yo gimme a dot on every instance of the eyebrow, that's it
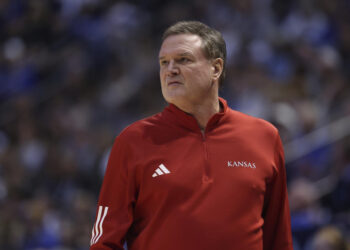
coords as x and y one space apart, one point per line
186 54
181 54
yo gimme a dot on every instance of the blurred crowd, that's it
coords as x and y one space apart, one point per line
73 73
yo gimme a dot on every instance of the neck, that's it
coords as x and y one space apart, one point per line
203 112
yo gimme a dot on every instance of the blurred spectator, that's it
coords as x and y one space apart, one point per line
329 238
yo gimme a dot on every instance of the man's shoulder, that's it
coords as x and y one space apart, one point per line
148 125
253 123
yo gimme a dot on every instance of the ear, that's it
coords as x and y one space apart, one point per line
217 68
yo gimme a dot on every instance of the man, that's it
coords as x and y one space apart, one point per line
197 176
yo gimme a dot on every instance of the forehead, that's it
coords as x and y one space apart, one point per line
182 43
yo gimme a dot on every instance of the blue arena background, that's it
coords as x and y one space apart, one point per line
74 73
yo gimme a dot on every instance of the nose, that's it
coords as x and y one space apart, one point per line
172 68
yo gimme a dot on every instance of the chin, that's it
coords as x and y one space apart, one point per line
172 99
173 96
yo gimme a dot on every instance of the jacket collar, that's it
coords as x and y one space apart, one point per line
187 121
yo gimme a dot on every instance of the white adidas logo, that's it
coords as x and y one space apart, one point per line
161 170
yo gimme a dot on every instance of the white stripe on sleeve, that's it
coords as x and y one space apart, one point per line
101 228
95 229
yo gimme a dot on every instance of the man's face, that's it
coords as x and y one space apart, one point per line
186 75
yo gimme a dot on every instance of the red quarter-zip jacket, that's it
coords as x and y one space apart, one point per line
168 186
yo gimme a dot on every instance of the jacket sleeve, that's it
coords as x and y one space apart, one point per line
114 213
277 228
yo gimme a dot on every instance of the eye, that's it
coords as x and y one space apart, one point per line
163 62
184 60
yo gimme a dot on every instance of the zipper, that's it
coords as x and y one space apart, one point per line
206 174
